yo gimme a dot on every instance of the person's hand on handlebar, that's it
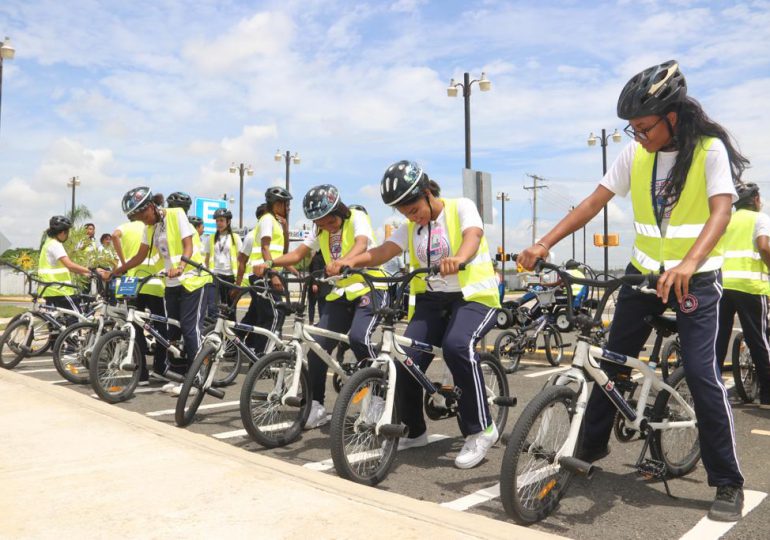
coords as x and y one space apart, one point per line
334 268
260 269
529 256
117 272
174 272
103 274
450 265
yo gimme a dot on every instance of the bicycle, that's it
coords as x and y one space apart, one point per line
540 456
744 370
365 427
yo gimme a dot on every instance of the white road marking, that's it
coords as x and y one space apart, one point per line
706 529
547 372
44 361
760 432
327 464
46 370
61 381
201 408
137 391
477 497
230 434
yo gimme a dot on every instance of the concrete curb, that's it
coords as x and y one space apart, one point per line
408 514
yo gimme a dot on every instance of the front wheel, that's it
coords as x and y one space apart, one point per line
72 351
509 348
744 371
678 448
266 418
109 381
358 452
14 343
532 482
229 363
496 385
192 392
553 345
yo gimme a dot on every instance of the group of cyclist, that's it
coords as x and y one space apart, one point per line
681 170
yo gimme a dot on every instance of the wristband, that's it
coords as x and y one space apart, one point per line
269 263
543 246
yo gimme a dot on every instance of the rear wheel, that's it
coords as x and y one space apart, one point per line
192 392
509 348
744 371
109 381
496 384
72 351
16 337
553 345
44 334
670 358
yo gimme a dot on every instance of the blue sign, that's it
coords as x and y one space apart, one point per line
205 208
128 286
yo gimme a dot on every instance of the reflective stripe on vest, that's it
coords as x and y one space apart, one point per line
743 270
191 279
233 253
48 273
130 240
478 281
688 217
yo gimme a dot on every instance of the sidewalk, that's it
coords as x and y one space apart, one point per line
75 467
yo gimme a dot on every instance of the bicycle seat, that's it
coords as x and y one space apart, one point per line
662 324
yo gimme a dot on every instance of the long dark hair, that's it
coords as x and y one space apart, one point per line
228 231
692 124
341 211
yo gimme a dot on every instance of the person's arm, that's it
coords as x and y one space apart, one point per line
134 261
468 248
72 266
763 246
117 245
373 257
679 276
187 250
290 258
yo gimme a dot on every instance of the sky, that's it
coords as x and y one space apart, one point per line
168 94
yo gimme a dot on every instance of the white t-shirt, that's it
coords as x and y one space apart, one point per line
718 176
221 255
762 226
54 252
361 227
264 228
160 242
440 247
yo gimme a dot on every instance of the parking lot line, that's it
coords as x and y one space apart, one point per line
28 371
547 372
165 412
230 434
760 432
477 497
706 529
43 361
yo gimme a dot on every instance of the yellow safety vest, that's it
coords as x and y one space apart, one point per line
130 240
651 251
744 270
478 281
233 252
191 279
276 242
353 286
576 288
56 272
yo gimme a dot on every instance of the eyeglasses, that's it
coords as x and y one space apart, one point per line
641 135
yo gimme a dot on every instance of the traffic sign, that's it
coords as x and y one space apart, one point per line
205 208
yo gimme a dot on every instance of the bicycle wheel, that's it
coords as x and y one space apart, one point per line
744 371
111 383
229 365
17 335
72 351
496 384
670 358
531 480
267 420
44 335
358 453
508 348
678 448
553 345
191 395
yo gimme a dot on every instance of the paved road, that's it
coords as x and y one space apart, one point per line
615 502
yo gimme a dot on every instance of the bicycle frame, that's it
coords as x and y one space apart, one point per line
143 319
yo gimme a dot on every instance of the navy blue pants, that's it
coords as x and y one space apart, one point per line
189 308
354 317
448 321
752 312
262 313
697 322
156 306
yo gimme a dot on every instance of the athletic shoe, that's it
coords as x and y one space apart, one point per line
178 390
476 447
404 443
318 416
728 504
169 387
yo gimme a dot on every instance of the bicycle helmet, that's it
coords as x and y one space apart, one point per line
179 199
320 201
277 193
571 264
136 200
195 221
59 224
652 91
224 213
359 207
402 183
746 192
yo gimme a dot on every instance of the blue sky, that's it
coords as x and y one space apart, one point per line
168 94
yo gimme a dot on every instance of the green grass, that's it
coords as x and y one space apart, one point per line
10 311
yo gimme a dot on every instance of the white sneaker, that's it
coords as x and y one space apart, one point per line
317 417
476 447
178 390
169 387
374 411
405 443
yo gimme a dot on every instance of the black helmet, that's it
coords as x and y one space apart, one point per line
402 183
59 223
277 193
571 264
223 212
320 201
358 207
136 200
179 199
652 91
195 221
746 192
261 210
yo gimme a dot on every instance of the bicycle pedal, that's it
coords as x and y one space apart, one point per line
652 469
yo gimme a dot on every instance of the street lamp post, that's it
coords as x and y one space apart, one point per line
451 91
604 140
7 52
241 169
288 158
502 196
73 183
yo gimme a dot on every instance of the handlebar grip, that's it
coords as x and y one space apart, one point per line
192 263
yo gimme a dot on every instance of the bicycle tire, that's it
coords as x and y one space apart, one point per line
260 402
229 364
672 349
496 384
15 336
523 453
679 449
110 383
551 332
744 371
187 405
507 346
370 461
44 336
69 356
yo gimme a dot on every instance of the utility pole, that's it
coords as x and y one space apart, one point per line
573 236
534 187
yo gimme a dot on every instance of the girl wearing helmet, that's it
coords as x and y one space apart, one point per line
222 253
169 231
455 314
680 171
339 234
